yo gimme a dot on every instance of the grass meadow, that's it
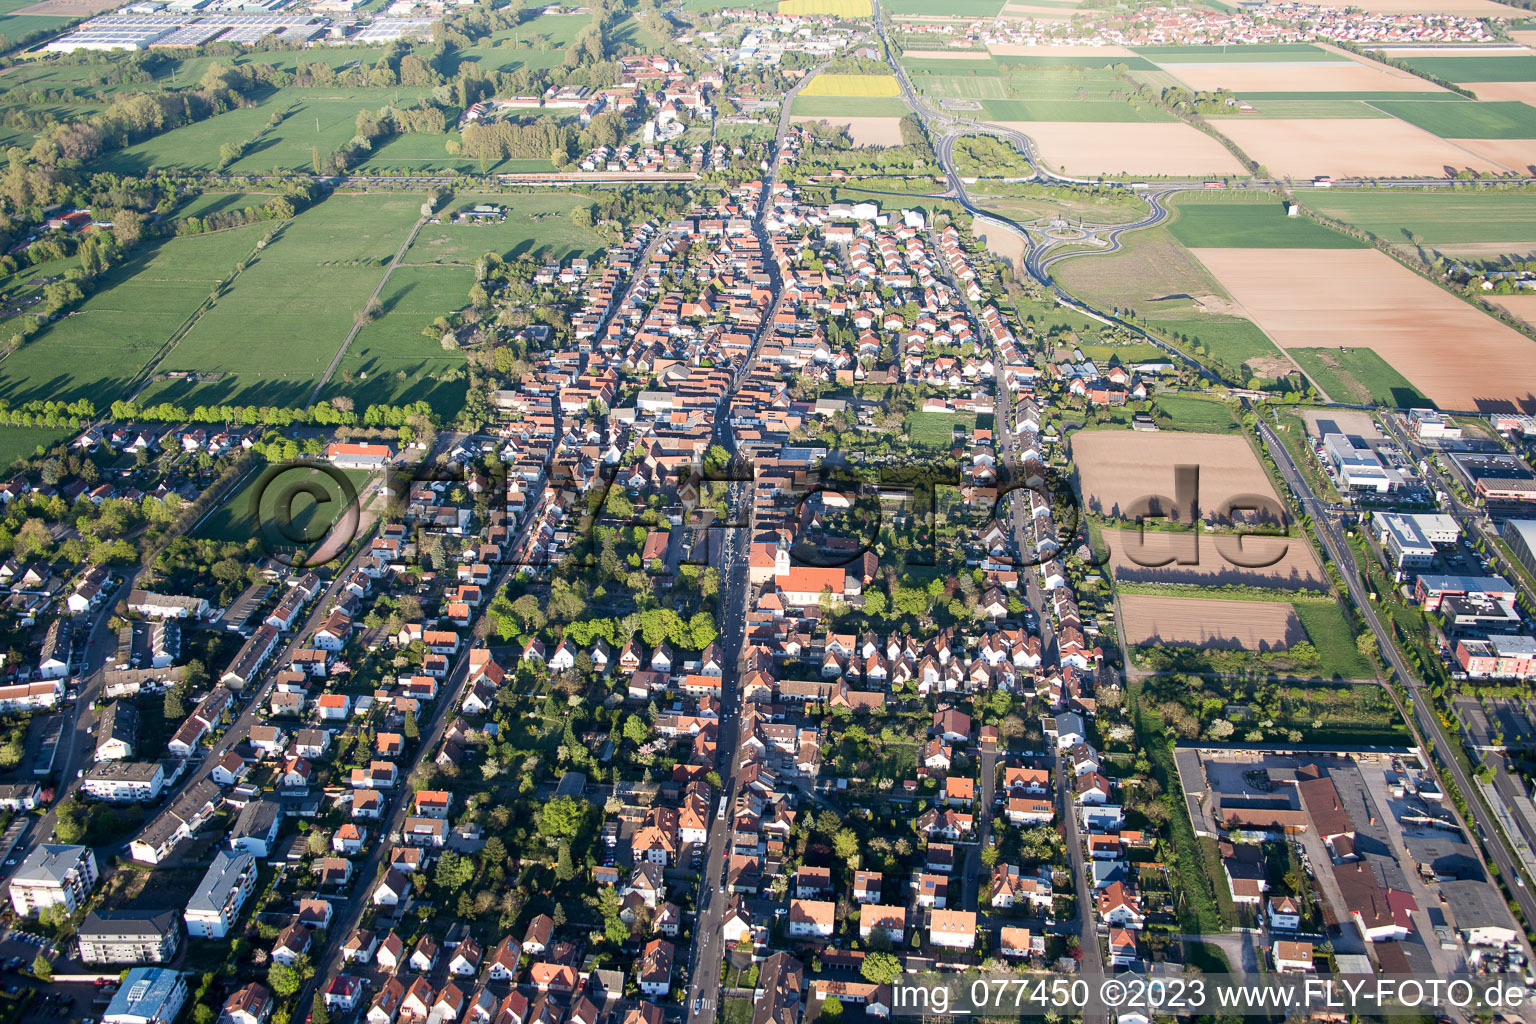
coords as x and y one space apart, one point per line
1197 415
1359 375
1260 224
24 442
537 225
1441 218
1231 340
97 350
1491 120
277 327
1463 70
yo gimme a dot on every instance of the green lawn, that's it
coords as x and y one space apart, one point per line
19 442
1197 415
1358 375
850 106
936 429
1440 218
95 351
238 519
1335 641
276 329
1251 225
538 225
1231 340
1477 69
1501 120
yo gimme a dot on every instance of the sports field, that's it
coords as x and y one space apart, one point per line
279 325
537 225
97 350
1438 218
238 521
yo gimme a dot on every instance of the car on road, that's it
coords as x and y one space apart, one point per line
697 1003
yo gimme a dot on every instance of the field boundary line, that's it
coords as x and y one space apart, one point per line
357 324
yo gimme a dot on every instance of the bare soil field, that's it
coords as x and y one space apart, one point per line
864 131
1309 76
1519 92
946 54
1000 242
1516 154
1354 422
1317 298
1163 147
1350 147
67 8
1522 306
1023 50
1213 623
1134 557
1118 467
1524 35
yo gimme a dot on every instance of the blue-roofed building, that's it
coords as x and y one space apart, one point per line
149 995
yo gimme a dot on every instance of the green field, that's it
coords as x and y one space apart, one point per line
1359 375
1125 354
1362 97
96 351
1232 341
983 66
1467 120
1307 109
936 429
278 326
1076 61
1335 642
1251 225
1197 415
537 225
390 361
850 106
314 119
1070 110
1254 53
1477 69
1441 218
237 521
23 442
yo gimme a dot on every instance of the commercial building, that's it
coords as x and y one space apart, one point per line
129 937
51 876
1501 480
216 903
1520 535
1402 540
149 995
1430 591
1359 468
1498 657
